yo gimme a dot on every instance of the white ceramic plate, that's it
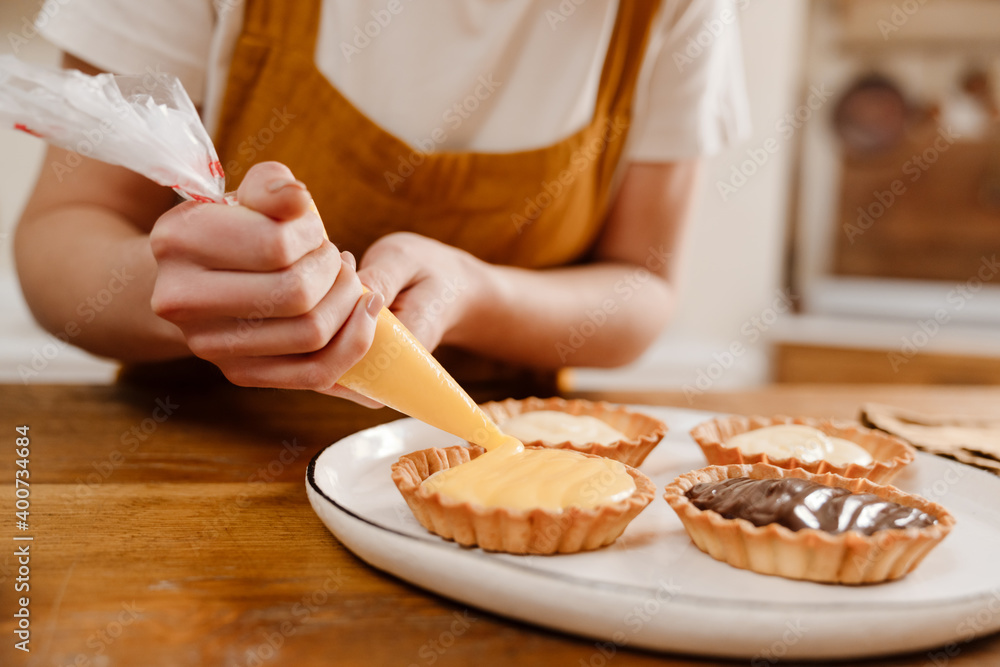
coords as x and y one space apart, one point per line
653 588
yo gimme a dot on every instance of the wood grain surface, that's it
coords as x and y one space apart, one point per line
187 539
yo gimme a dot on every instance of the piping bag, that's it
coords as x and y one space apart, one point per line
148 124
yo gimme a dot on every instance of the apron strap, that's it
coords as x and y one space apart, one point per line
292 23
626 51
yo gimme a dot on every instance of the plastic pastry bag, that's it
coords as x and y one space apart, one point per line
146 123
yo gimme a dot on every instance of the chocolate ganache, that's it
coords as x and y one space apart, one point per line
798 503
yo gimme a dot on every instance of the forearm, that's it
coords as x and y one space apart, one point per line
603 314
88 275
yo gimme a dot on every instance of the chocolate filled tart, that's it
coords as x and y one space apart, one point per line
815 555
798 503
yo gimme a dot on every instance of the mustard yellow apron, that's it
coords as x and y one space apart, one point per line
533 208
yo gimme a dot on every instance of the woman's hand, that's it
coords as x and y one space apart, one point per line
259 291
604 312
434 289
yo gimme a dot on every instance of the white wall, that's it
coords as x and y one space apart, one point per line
19 153
734 255
737 242
27 353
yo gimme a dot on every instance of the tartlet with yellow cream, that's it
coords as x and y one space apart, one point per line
600 428
816 445
521 500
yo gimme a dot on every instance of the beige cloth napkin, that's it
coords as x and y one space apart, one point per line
972 441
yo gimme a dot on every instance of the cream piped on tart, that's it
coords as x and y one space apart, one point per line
514 477
808 444
552 427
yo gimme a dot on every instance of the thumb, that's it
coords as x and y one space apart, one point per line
415 309
271 189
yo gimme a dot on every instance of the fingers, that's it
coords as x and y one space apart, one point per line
246 237
388 266
318 371
271 189
233 238
421 279
258 290
258 335
421 310
184 292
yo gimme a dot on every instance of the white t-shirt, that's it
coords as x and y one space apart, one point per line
406 65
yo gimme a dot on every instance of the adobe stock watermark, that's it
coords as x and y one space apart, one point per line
549 534
290 452
914 167
955 300
937 490
273 641
432 650
899 16
624 289
778 649
711 29
148 81
968 629
291 282
101 640
384 352
785 127
29 29
750 332
579 161
89 309
364 34
431 312
632 623
130 440
451 119
884 541
254 145
562 12
223 7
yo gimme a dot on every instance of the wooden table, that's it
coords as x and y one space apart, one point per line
171 527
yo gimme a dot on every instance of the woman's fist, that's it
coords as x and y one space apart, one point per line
259 291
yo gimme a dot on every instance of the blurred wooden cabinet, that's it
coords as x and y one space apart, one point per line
920 211
896 214
803 364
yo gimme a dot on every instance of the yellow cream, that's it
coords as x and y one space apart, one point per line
552 426
399 372
802 442
522 479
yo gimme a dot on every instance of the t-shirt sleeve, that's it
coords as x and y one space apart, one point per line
135 36
692 100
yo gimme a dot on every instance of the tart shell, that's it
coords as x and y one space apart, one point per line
813 555
642 432
889 453
537 531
